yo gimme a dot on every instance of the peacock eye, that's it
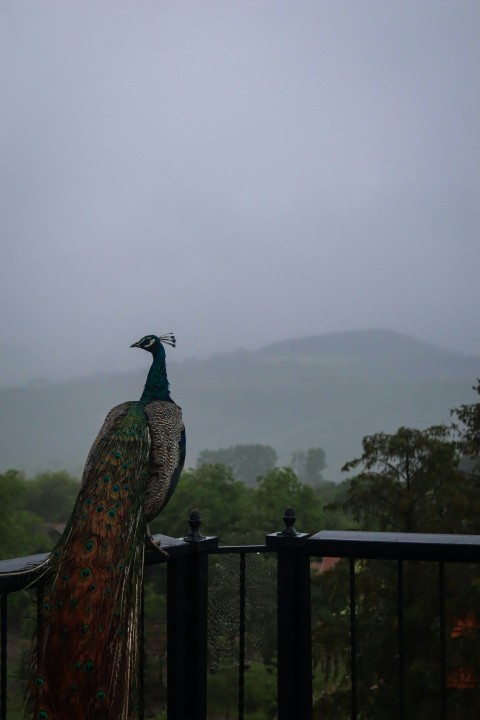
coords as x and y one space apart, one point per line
150 343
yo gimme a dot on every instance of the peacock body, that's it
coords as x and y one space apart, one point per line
85 656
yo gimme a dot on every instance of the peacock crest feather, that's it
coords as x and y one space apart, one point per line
84 662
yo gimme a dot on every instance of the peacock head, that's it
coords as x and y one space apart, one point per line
154 344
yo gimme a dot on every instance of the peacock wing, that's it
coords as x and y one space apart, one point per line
167 455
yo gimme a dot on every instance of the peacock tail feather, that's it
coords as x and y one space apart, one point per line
84 663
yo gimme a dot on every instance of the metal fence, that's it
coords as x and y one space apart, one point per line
188 597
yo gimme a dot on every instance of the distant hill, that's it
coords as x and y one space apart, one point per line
392 352
327 390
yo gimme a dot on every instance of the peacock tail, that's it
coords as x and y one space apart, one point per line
86 652
85 656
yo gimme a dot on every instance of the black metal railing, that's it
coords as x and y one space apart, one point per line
187 609
400 548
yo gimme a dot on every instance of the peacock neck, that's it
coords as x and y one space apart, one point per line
156 387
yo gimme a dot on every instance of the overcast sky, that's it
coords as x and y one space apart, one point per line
235 172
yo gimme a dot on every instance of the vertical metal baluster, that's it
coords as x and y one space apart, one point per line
443 641
241 659
3 657
401 644
353 640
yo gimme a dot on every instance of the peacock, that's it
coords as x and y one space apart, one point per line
84 660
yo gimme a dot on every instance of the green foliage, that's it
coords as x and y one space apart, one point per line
237 513
279 489
469 431
222 500
247 462
410 482
20 534
333 495
52 495
260 692
20 531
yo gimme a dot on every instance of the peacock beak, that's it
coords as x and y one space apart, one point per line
137 344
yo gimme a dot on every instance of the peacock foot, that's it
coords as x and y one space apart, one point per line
156 545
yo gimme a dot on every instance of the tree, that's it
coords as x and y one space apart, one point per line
278 489
469 433
308 465
247 462
410 482
332 496
224 504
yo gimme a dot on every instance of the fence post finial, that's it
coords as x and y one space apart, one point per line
289 518
194 521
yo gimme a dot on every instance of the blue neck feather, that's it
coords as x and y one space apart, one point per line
156 387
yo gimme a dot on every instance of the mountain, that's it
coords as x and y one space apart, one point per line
327 390
385 350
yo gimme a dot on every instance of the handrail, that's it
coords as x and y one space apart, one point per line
23 572
20 572
394 546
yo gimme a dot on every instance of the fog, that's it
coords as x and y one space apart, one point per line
234 172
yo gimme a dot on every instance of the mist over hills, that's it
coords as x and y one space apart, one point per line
327 390
379 349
